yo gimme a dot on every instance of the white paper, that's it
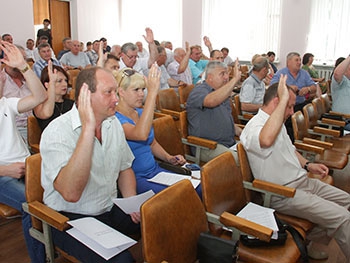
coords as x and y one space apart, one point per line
104 240
171 178
133 203
260 215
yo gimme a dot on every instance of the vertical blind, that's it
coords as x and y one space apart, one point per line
245 27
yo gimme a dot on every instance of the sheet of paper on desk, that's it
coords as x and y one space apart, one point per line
260 215
104 240
133 203
171 178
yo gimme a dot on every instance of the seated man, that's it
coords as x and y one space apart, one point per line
209 112
42 39
197 65
341 88
273 158
13 149
45 56
91 166
179 69
253 88
75 59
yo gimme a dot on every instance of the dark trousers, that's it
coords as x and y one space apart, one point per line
116 219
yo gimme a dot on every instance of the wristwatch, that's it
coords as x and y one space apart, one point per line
26 68
306 166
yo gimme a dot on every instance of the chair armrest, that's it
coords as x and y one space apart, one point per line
174 114
202 142
274 188
247 116
246 226
48 215
325 131
332 122
308 147
347 116
322 144
35 148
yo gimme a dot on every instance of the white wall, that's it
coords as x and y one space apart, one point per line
17 19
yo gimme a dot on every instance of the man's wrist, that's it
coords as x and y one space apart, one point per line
306 166
24 69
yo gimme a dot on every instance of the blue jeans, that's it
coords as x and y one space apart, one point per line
12 193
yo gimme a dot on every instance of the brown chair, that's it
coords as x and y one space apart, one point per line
184 92
43 217
196 142
8 212
315 150
72 73
340 144
223 190
244 72
167 99
34 134
172 220
243 118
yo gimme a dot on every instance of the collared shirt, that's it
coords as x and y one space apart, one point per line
140 66
341 95
11 90
13 148
164 76
185 76
58 142
93 56
197 69
279 163
210 123
303 79
41 64
253 90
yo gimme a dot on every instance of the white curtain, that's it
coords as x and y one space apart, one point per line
329 35
245 27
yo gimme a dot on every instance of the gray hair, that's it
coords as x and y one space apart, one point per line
292 54
212 65
129 46
260 63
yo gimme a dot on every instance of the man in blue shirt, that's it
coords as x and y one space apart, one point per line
197 65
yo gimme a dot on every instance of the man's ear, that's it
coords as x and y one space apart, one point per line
46 84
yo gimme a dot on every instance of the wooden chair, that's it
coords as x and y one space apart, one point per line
72 73
242 117
34 134
244 72
8 212
315 150
172 220
43 217
223 190
184 92
194 141
167 99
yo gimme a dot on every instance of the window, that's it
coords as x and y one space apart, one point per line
329 35
245 27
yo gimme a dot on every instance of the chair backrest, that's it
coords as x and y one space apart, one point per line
317 103
299 126
222 187
34 133
72 73
168 99
310 115
167 135
244 72
184 92
237 104
34 191
326 102
184 130
171 222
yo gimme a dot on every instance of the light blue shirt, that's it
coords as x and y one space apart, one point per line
197 69
341 95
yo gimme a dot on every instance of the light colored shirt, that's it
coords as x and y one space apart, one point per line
140 66
13 148
197 69
279 163
341 95
39 65
58 142
252 90
75 61
185 76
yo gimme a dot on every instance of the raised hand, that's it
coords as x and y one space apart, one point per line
149 35
14 57
153 79
236 71
283 93
86 112
2 82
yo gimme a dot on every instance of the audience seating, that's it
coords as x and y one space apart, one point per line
243 118
315 150
223 190
168 101
34 134
43 217
244 72
184 92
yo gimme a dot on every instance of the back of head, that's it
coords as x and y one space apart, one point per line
272 92
259 63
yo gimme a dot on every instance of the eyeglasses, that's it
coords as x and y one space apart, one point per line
126 73
131 57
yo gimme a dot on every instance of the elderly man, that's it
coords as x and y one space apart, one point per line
209 112
341 88
91 166
273 158
129 57
45 56
67 44
179 68
75 59
197 65
300 81
253 88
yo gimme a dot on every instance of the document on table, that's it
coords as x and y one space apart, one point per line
104 240
260 215
133 203
171 178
